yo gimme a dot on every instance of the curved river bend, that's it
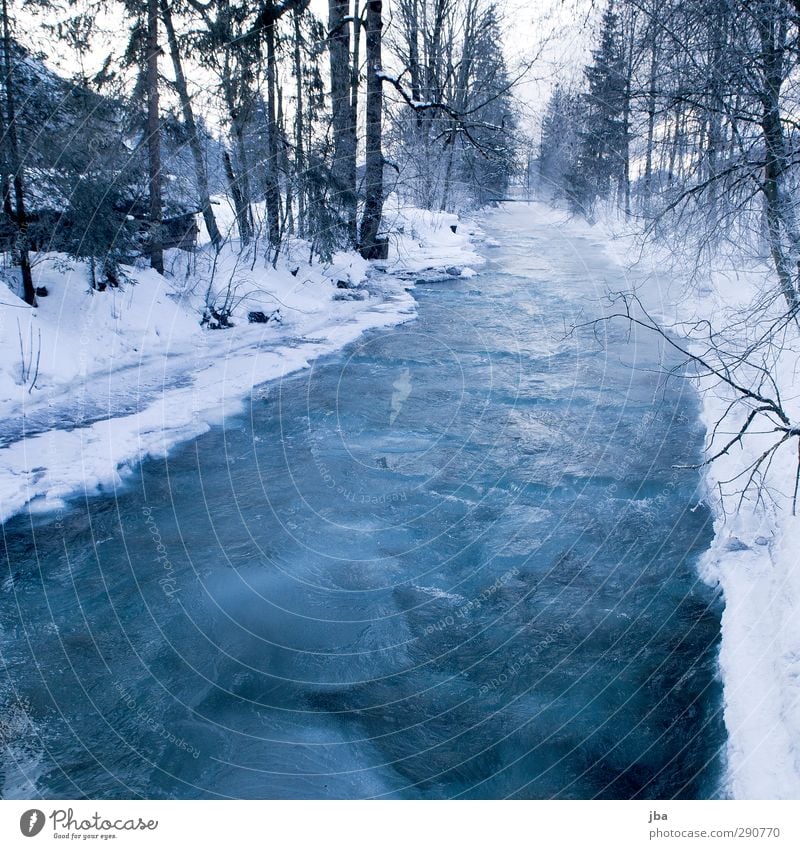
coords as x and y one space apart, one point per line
453 560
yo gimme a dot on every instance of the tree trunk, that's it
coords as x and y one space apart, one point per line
239 205
239 179
434 81
285 209
273 192
5 186
626 152
651 125
448 173
675 143
265 24
299 150
244 211
778 212
371 246
716 106
342 169
154 139
625 175
352 222
412 25
20 214
201 174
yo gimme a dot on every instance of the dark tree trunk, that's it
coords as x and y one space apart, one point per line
651 125
272 187
239 205
238 180
299 147
343 167
201 175
413 53
674 145
154 139
773 44
371 246
265 25
434 81
245 210
20 213
625 176
243 195
286 214
5 186
238 98
352 222
716 87
460 97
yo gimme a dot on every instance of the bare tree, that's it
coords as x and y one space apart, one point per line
300 163
713 99
201 173
265 27
743 373
453 130
371 245
154 139
343 168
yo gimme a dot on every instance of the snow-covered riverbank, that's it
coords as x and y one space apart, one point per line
755 555
92 382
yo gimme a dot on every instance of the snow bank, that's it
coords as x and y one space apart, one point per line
755 554
93 382
755 557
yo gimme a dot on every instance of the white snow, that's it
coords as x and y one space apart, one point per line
756 559
128 373
755 554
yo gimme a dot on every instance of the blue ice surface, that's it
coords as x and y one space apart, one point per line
454 560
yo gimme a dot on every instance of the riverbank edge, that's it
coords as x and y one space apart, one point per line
753 556
204 377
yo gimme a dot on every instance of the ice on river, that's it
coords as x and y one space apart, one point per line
452 560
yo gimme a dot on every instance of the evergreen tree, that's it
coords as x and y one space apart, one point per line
10 137
490 159
602 143
561 126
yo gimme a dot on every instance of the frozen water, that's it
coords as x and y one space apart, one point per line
453 560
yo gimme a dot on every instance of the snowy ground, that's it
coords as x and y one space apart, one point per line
756 559
93 382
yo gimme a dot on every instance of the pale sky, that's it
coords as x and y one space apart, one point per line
557 33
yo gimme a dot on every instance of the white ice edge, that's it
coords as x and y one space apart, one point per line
754 556
41 472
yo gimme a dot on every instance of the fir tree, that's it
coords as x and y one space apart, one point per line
601 152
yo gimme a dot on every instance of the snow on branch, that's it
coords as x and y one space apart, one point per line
755 391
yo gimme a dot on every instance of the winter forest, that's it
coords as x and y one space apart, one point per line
291 145
399 400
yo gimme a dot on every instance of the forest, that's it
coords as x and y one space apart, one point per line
685 122
300 121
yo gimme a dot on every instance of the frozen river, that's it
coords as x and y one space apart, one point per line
455 559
